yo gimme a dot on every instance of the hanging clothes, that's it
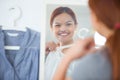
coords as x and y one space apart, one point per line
22 64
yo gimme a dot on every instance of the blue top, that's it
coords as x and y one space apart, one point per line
19 64
96 66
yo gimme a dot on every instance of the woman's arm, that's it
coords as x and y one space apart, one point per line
79 48
60 73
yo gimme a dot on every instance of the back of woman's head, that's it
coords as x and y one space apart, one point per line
61 10
108 12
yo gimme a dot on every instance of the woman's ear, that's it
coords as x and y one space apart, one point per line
76 26
94 17
51 28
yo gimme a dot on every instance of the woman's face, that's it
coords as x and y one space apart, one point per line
63 28
94 21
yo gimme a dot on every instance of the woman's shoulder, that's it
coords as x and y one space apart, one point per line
94 66
100 54
100 57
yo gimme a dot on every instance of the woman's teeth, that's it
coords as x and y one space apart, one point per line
64 34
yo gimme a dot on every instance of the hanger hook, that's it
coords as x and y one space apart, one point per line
19 14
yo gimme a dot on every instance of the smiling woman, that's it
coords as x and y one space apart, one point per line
63 25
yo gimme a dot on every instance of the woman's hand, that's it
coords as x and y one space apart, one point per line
50 46
80 48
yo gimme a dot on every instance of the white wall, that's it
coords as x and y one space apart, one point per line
81 2
30 13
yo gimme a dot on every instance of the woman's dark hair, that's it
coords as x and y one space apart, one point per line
108 12
61 10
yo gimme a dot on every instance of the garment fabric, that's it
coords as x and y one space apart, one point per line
22 64
94 66
52 61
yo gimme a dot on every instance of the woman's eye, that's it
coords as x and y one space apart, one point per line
57 25
69 24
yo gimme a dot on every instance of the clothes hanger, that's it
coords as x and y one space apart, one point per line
16 13
14 27
12 47
66 46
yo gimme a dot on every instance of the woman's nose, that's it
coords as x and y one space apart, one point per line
63 28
